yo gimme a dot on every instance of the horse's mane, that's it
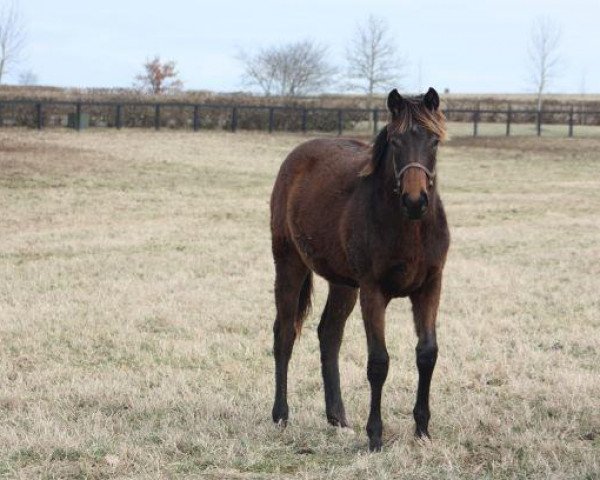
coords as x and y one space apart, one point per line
414 112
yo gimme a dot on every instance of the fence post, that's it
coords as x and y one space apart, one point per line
1 115
119 117
196 120
375 121
340 121
304 119
508 119
271 118
571 122
39 116
234 119
475 120
538 121
157 116
78 116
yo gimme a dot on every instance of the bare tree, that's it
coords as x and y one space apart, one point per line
289 70
12 38
544 55
373 62
159 77
28 77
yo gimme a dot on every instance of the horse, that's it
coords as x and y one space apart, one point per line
370 221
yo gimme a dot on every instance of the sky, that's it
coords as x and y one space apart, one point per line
473 46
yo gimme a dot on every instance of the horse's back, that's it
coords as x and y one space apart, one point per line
319 156
318 166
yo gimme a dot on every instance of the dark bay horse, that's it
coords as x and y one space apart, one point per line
370 221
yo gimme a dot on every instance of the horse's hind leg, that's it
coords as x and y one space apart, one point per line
292 298
340 302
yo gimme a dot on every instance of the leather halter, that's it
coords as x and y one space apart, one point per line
398 174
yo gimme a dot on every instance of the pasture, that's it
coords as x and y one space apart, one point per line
136 307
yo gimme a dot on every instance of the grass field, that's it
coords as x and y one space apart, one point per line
136 311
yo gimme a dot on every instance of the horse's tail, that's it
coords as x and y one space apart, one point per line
304 302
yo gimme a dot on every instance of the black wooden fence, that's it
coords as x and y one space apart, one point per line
78 115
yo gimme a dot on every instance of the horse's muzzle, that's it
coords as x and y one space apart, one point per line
415 207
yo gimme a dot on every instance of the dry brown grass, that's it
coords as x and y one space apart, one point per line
136 311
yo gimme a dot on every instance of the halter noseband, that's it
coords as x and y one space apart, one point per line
398 174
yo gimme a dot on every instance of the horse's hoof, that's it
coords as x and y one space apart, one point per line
375 445
422 436
280 420
336 421
281 423
280 414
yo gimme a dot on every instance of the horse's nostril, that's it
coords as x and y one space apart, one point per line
423 200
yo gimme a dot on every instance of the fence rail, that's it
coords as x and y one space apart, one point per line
78 115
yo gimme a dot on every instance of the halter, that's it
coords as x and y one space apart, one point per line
398 174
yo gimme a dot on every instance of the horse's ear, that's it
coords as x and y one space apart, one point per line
431 99
395 102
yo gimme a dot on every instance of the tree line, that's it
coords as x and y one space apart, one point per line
372 63
294 69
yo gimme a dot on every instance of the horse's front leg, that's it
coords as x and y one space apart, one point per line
373 304
425 304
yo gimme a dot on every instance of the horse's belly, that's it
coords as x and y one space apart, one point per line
402 279
323 268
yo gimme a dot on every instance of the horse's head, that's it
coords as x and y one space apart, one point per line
406 149
413 136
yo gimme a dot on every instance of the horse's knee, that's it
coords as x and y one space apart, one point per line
427 356
377 368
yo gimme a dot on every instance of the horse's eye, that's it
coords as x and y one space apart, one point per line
435 142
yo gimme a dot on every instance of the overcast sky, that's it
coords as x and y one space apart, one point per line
466 46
